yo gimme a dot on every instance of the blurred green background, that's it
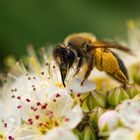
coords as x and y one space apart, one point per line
50 21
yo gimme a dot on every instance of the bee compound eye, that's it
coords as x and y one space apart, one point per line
86 46
70 43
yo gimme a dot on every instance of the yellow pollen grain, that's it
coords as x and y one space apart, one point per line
35 65
48 125
2 137
59 84
137 135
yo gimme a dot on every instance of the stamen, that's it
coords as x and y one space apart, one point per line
54 100
57 95
28 100
66 119
19 107
13 96
38 103
37 117
12 76
19 98
78 94
22 67
5 125
44 106
10 138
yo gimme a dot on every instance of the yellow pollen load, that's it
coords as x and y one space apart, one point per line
105 61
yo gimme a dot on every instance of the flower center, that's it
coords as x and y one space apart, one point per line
59 84
44 126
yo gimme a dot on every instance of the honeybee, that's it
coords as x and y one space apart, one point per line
93 53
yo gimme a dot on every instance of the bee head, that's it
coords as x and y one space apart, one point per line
64 58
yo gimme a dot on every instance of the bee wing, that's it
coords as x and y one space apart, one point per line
105 44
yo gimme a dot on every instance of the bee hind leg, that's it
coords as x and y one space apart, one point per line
120 77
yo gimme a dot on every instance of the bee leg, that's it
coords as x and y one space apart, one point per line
78 67
118 71
90 61
120 77
121 74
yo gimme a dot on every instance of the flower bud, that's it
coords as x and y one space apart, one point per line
95 115
94 99
108 121
89 133
116 96
137 97
133 90
77 133
135 73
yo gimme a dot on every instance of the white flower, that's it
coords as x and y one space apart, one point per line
129 112
56 111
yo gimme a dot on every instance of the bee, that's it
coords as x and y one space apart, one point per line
92 53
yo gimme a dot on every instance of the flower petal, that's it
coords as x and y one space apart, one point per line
76 86
121 134
73 118
27 133
60 134
10 118
60 103
129 112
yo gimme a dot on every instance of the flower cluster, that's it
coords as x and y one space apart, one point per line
34 104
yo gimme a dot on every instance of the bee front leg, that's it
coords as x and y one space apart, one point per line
78 67
89 62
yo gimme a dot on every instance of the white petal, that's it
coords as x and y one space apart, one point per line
74 117
12 118
129 112
60 134
52 90
62 105
76 86
121 134
27 133
56 75
22 84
